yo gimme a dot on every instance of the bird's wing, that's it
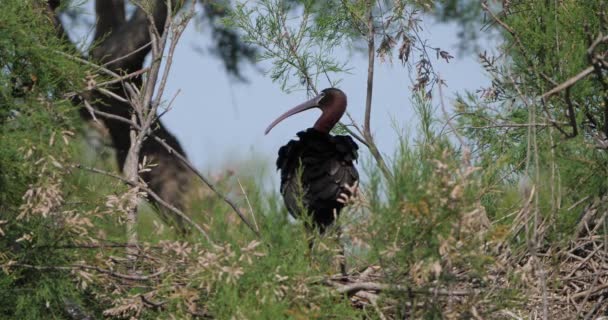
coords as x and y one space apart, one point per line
325 164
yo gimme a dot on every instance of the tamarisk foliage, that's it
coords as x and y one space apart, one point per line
493 206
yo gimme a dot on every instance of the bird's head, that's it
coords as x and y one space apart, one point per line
331 101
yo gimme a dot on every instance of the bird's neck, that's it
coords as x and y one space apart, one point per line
329 118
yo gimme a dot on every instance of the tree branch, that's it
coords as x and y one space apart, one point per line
209 184
371 50
568 83
151 194
367 134
187 163
374 286
86 267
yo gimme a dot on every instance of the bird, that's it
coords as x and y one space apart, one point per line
318 173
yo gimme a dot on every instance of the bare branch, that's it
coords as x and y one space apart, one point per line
371 50
568 83
209 184
91 110
89 63
122 78
374 286
367 134
87 267
445 113
185 161
112 95
511 125
129 54
150 193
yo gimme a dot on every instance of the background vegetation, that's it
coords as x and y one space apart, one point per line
493 207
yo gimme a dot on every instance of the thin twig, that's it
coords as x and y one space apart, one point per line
187 164
445 113
375 286
88 63
249 204
510 125
122 78
89 108
208 183
367 134
152 194
568 83
105 64
371 50
593 290
87 267
112 95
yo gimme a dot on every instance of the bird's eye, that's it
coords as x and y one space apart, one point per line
324 99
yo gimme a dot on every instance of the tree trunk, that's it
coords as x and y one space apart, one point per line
118 38
120 44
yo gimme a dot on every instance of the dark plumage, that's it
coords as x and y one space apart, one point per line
325 164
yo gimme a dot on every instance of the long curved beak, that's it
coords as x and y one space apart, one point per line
312 103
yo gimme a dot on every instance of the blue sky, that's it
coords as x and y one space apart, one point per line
221 122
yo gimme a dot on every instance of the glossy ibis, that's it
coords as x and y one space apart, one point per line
318 171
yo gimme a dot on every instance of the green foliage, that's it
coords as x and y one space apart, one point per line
425 222
546 46
543 155
36 127
297 43
428 228
445 220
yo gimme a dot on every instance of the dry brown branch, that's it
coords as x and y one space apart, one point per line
584 261
568 83
86 267
94 246
112 95
145 104
371 51
209 184
90 109
152 194
257 228
593 290
146 107
106 64
190 166
353 123
367 133
89 63
122 78
151 303
510 125
374 286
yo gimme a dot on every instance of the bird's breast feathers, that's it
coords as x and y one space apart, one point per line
325 163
